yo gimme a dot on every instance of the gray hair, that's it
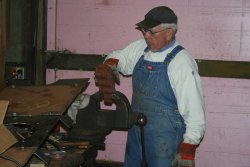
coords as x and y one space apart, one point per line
167 25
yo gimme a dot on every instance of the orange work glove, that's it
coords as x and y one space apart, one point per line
186 155
106 76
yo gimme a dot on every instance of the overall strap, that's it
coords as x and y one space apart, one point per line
172 54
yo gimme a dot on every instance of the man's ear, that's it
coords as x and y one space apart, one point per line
170 33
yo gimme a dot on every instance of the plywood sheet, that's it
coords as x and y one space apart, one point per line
20 156
36 100
6 137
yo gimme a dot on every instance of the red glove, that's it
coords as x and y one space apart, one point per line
186 156
105 78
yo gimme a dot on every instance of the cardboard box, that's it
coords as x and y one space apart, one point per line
7 139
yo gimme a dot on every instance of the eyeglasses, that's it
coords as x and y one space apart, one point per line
152 33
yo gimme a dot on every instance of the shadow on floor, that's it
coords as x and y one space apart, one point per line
108 164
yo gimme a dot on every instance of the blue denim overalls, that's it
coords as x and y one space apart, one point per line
153 96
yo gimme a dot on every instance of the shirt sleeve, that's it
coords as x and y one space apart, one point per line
128 56
186 84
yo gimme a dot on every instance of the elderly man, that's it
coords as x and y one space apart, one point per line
166 88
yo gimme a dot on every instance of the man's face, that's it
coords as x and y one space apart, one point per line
157 37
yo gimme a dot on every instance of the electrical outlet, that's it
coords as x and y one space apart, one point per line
19 73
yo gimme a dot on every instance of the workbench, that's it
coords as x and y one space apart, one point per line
33 116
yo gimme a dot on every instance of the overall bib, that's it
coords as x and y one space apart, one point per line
154 97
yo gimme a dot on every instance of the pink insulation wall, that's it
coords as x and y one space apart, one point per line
216 30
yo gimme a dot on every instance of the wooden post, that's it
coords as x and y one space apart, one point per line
41 43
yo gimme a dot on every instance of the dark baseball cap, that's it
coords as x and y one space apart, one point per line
156 16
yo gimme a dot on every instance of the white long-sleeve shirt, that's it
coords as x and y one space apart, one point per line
184 79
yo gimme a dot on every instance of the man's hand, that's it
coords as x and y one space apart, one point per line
106 76
112 63
186 156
